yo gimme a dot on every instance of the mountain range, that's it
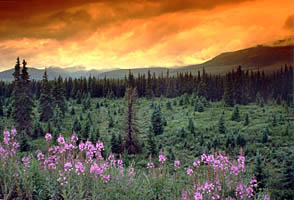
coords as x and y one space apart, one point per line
263 57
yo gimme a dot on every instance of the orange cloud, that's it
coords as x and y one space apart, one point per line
137 33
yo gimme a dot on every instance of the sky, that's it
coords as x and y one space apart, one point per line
106 34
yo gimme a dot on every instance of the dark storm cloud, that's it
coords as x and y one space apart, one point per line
55 19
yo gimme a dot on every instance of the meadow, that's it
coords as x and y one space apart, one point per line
191 127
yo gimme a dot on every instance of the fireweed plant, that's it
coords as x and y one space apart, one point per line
77 170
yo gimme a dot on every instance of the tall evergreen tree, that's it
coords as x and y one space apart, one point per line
94 135
228 90
230 143
1 108
191 126
151 145
132 144
221 124
22 99
114 143
120 144
240 140
23 142
236 114
77 127
157 121
45 100
259 172
57 117
286 178
58 93
246 122
79 97
86 130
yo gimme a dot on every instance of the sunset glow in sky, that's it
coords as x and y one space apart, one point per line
138 33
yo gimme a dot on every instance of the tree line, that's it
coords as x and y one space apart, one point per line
235 87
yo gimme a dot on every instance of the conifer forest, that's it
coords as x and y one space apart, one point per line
184 136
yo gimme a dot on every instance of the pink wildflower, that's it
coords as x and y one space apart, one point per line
68 167
13 132
198 196
105 178
177 164
100 146
61 140
79 168
26 162
48 136
189 171
131 171
196 163
162 158
266 197
40 156
82 146
150 165
74 138
120 163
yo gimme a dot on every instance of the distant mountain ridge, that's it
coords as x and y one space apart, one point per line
267 58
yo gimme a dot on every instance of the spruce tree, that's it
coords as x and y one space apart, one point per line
110 121
157 121
259 172
45 100
132 144
94 135
286 177
114 143
235 114
79 97
87 102
72 112
151 145
23 142
89 117
77 127
216 142
57 116
38 130
191 126
49 129
9 111
22 99
181 101
240 140
182 133
86 130
264 136
58 93
228 90
199 107
201 141
221 124
168 105
246 122
274 122
1 108
120 144
230 143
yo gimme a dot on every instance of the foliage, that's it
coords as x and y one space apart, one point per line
83 173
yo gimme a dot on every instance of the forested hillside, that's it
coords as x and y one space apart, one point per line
164 123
